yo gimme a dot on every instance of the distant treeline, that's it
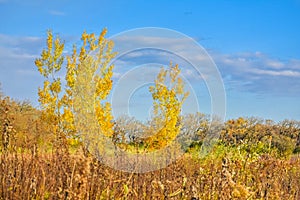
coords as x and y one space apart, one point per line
23 129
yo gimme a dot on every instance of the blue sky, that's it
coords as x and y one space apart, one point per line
255 44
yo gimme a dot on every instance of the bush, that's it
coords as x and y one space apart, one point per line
296 150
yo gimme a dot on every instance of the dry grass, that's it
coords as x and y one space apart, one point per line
259 169
54 176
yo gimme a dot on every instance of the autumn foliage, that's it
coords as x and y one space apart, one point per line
168 101
44 153
81 75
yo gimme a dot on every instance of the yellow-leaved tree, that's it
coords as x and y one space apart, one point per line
57 103
50 95
89 78
168 96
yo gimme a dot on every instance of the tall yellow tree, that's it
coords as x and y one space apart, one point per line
90 75
81 69
168 96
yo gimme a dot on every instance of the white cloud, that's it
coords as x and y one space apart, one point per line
275 64
247 71
27 72
18 73
11 41
19 49
257 63
288 73
263 74
56 13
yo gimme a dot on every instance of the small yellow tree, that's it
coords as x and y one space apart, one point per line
168 100
49 64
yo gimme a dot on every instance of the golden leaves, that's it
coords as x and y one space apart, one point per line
49 64
55 86
95 55
71 70
51 58
104 117
168 100
49 41
82 69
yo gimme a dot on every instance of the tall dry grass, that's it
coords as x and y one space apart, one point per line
74 176
31 169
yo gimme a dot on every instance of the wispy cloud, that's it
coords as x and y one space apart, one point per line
56 13
254 72
288 73
263 74
18 49
18 73
12 41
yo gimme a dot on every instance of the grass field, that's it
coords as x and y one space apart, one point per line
222 175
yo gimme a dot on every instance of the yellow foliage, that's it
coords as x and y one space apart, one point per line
95 55
49 64
167 104
57 103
